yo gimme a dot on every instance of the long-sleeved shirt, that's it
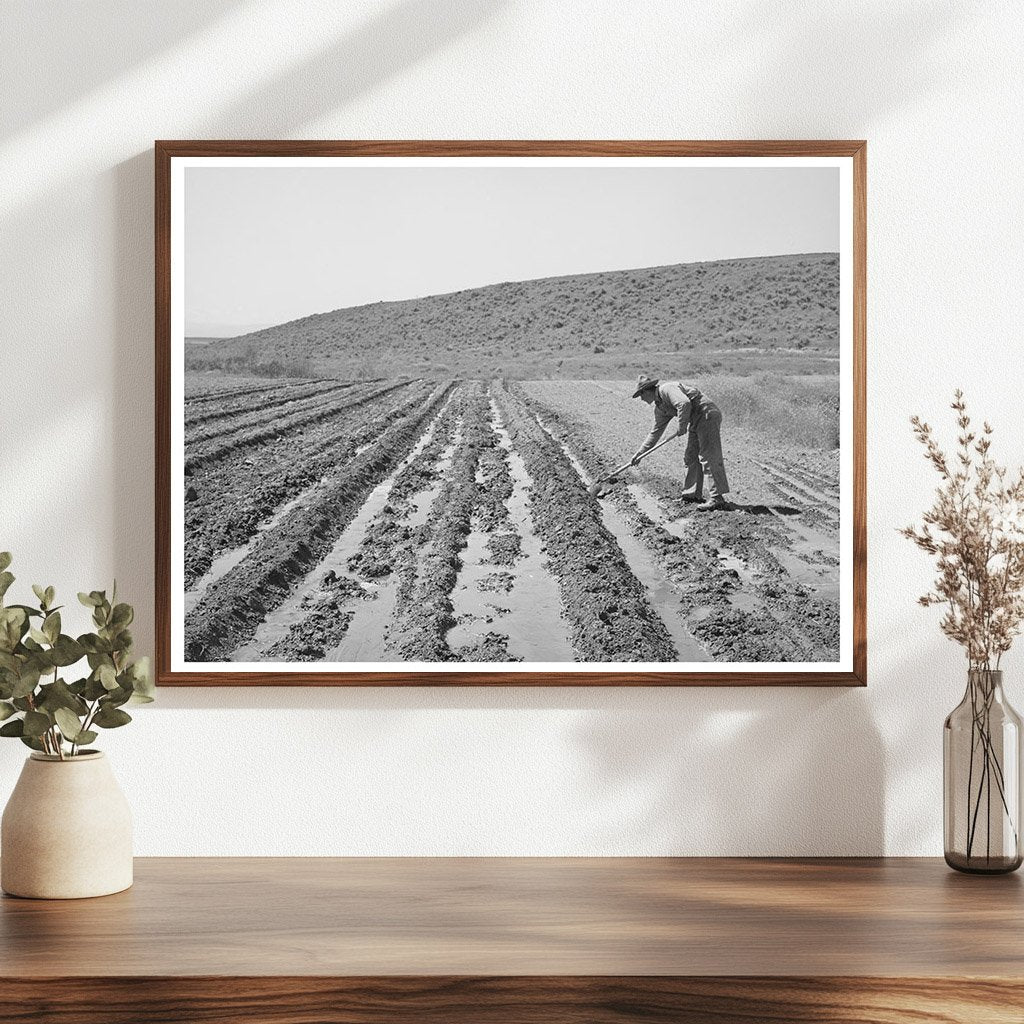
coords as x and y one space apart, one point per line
671 399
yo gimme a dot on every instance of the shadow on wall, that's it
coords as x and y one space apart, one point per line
693 771
674 769
48 63
751 772
393 40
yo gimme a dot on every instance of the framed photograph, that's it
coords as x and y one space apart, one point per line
510 413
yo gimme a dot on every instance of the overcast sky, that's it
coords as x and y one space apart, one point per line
267 245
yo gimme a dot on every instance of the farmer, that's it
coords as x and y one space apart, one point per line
700 418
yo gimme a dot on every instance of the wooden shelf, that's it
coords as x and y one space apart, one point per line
505 940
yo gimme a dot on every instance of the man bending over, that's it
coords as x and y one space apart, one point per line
701 419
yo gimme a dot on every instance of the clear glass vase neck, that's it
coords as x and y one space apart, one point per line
987 681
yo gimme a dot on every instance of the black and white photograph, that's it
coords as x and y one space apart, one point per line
525 415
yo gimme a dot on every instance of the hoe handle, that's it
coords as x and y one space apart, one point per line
650 451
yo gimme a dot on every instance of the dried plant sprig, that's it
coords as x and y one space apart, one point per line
975 530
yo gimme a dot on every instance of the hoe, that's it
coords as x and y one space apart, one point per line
599 488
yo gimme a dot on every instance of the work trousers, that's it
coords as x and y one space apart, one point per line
703 455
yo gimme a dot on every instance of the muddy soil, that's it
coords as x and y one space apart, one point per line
609 616
753 588
236 495
227 439
232 607
368 561
200 416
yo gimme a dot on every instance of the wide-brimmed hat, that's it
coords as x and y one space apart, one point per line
643 382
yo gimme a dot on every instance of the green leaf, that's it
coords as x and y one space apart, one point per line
27 682
6 710
108 718
115 698
6 579
107 676
36 723
5 560
59 695
89 600
50 595
51 626
66 651
141 680
38 635
97 648
86 736
94 689
31 741
13 624
69 723
122 615
29 611
13 728
40 592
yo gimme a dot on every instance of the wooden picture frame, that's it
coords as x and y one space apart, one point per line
849 157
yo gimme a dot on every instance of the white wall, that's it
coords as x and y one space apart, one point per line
936 88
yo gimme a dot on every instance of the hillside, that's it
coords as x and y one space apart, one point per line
583 326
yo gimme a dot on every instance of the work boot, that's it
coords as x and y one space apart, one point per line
692 499
715 505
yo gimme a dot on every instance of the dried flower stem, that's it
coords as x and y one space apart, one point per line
975 531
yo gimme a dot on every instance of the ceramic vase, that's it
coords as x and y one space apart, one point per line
66 831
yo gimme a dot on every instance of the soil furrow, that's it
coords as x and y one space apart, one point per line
423 614
234 606
248 406
803 491
194 397
234 496
389 545
726 611
278 414
197 455
609 615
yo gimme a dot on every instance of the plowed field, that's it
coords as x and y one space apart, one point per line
449 521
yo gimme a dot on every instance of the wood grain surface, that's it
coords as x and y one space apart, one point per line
165 150
523 939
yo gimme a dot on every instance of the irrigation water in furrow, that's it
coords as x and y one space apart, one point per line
608 611
662 593
232 608
505 597
227 560
723 571
234 497
319 615
423 608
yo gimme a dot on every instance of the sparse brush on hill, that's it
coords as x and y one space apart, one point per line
247 364
581 326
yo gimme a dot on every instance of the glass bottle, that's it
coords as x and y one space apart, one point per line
981 772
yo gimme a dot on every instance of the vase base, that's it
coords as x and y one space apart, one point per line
982 865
